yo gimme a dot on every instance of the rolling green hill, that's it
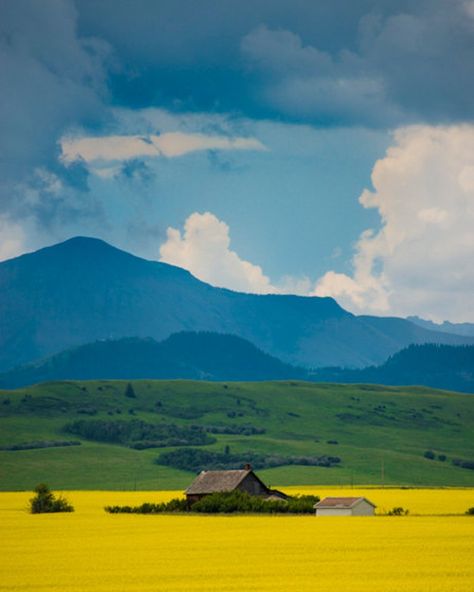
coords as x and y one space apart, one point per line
187 355
429 364
377 432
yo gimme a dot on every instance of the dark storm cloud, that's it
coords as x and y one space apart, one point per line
64 65
50 80
377 63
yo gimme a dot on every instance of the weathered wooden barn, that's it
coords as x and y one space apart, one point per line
245 479
345 506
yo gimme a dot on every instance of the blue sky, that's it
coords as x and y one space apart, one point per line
308 147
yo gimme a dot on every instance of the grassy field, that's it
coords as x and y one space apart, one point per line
381 432
94 551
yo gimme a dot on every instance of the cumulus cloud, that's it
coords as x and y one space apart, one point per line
420 261
110 149
203 248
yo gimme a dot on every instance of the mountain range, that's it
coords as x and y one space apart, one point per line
220 357
466 329
84 290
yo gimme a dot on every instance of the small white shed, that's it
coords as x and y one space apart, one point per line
345 506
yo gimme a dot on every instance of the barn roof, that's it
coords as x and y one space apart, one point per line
213 481
341 502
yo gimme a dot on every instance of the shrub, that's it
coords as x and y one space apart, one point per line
470 511
464 464
243 430
442 457
139 434
195 460
229 502
87 411
40 444
45 501
174 505
429 454
398 511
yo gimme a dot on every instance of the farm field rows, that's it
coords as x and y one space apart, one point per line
94 551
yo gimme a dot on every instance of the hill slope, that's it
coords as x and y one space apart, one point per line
84 290
438 366
361 425
209 356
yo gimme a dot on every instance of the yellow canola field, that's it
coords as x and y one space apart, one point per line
92 551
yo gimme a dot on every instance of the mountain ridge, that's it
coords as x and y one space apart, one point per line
466 329
84 289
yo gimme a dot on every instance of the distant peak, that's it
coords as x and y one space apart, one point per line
84 241
86 245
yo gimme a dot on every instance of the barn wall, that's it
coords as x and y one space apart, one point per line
363 509
252 486
193 498
333 512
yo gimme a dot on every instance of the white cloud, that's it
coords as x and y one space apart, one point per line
12 239
204 249
421 260
106 149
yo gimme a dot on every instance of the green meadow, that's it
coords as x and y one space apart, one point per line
380 433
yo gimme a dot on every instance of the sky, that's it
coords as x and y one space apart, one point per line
308 147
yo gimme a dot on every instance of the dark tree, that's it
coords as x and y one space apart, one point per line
129 391
45 501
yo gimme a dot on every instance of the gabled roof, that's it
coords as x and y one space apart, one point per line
341 502
213 481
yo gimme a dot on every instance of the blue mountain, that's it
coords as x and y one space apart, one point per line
84 290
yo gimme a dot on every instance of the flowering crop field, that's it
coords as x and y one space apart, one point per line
93 551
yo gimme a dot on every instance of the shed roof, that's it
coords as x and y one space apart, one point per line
341 502
213 481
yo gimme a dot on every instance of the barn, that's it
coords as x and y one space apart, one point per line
245 479
345 506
